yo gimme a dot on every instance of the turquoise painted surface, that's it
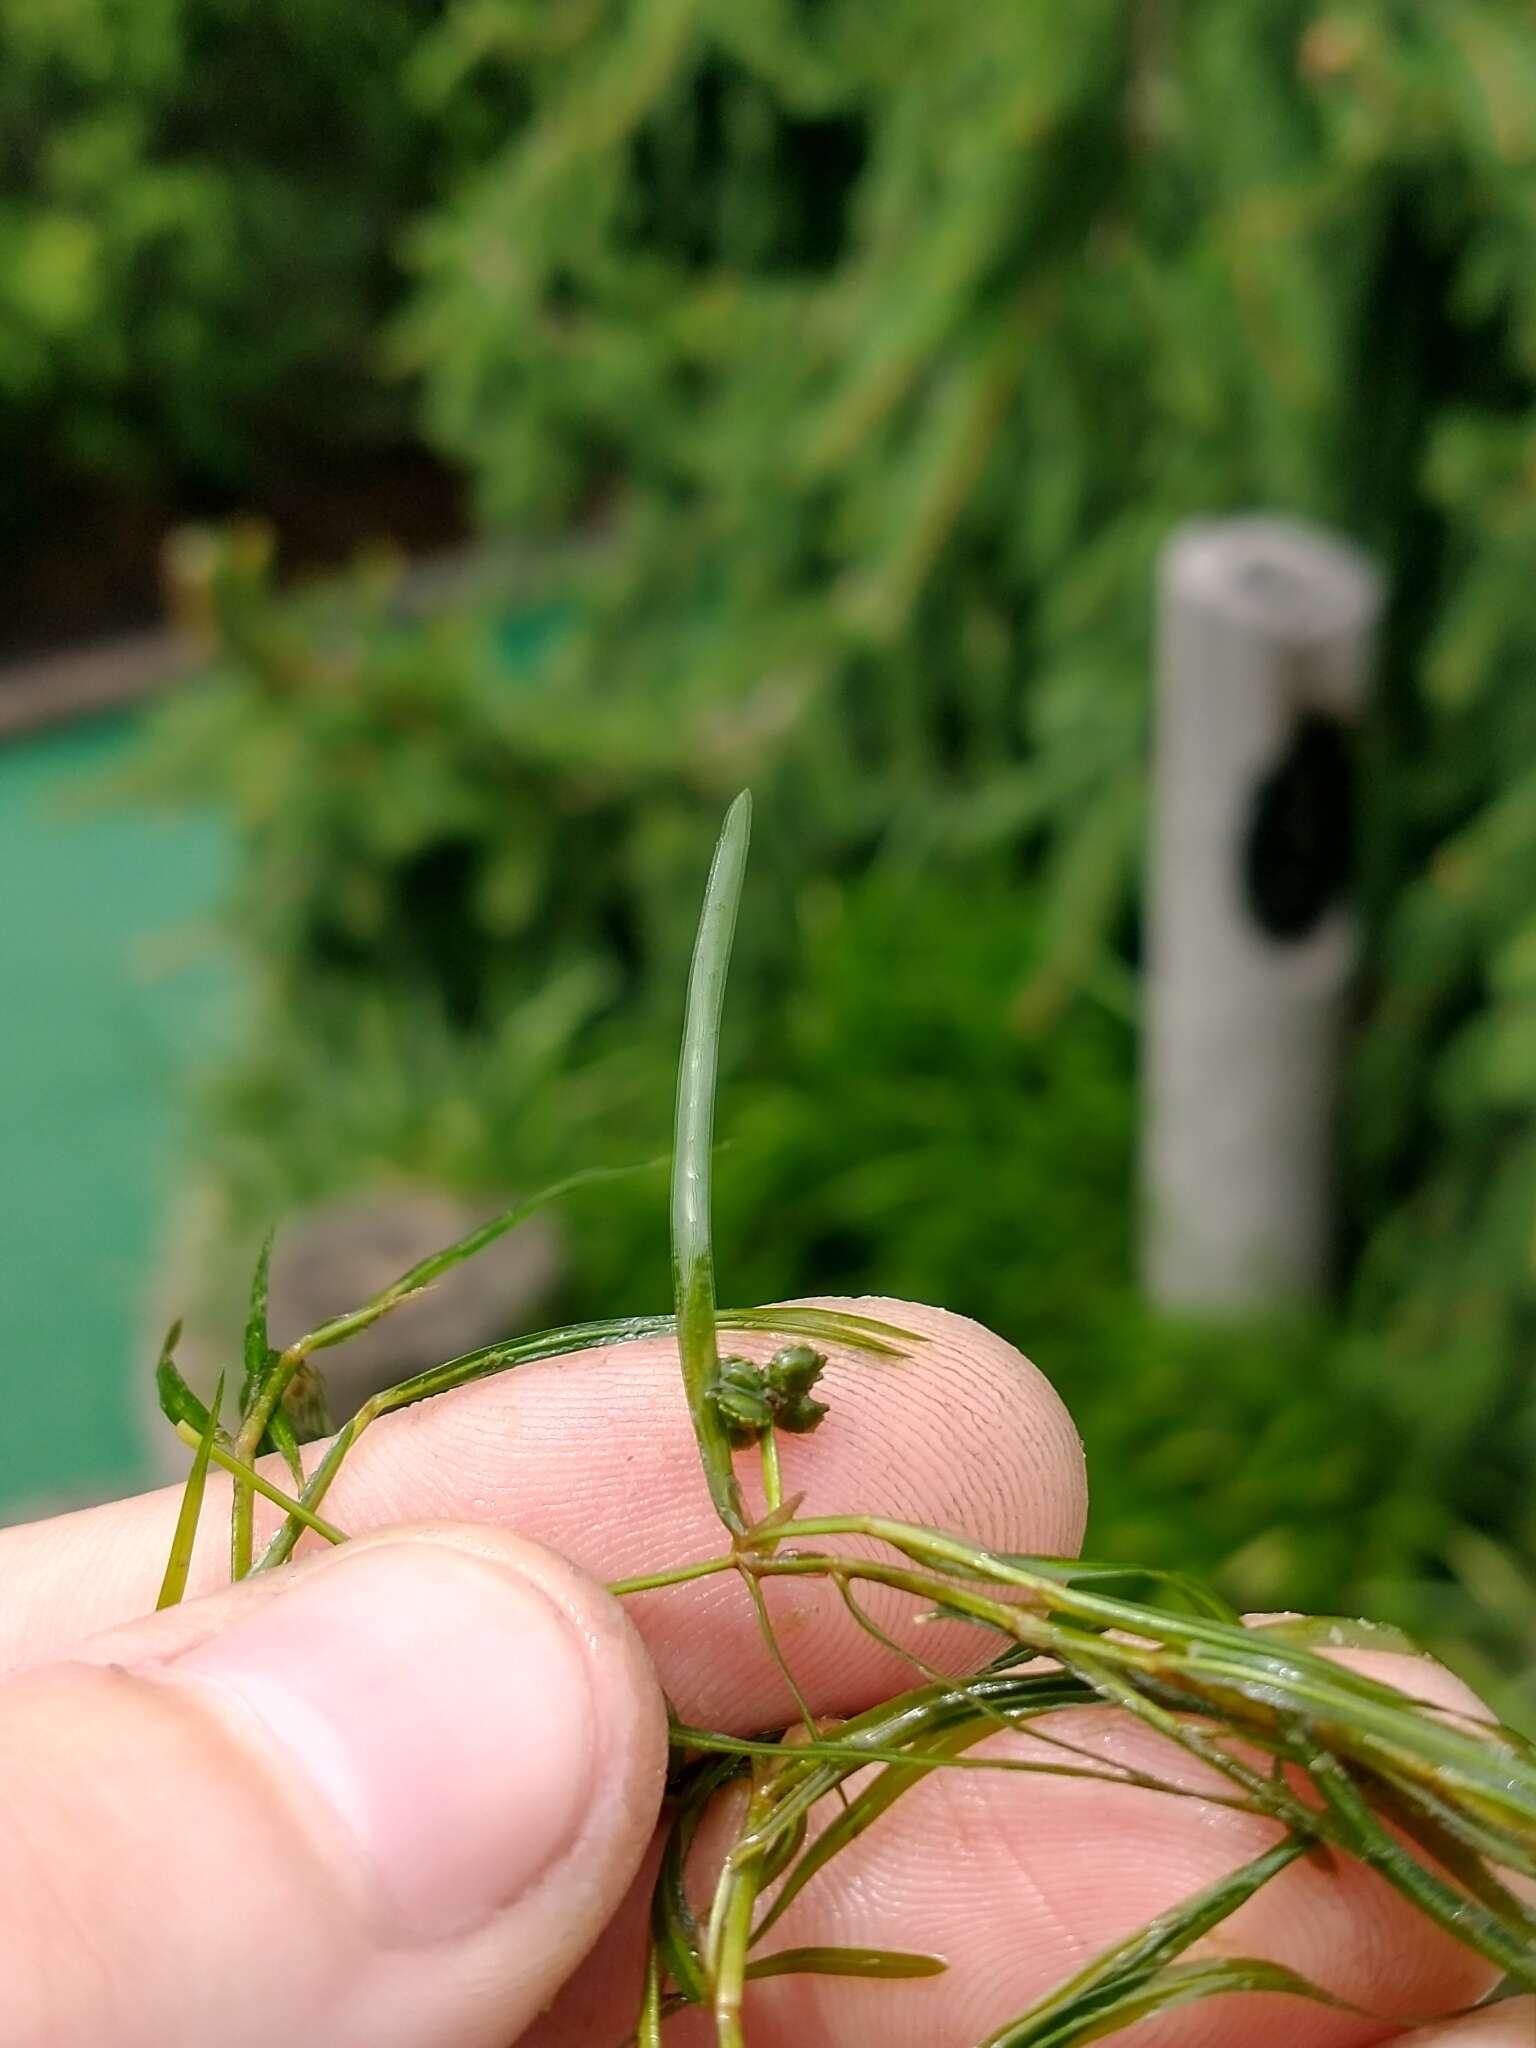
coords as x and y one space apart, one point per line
107 1006
112 998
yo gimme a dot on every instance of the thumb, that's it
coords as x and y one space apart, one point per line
1511 2025
388 1796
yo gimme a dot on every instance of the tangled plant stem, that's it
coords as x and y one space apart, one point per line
1441 1806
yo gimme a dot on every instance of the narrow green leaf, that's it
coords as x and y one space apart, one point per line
257 1344
857 1757
285 1439
916 1732
177 1401
847 1962
1460 1915
1425 1804
179 1564
693 1272
1163 1591
1018 1696
356 1320
415 1279
476 1240
862 1812
1129 1967
832 1325
1337 1632
858 1333
675 1930
1184 1984
775 1651
1441 1832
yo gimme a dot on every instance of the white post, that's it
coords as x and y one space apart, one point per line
1266 630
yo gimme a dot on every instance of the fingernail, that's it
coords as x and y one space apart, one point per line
440 1705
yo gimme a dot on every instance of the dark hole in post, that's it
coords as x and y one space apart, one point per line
1271 583
1299 849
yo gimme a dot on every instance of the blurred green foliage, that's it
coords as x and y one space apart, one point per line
896 343
197 209
886 347
901 1112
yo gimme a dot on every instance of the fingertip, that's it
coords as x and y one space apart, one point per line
969 1434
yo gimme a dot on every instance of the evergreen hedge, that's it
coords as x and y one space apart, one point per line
199 206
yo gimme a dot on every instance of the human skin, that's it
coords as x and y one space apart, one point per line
405 1793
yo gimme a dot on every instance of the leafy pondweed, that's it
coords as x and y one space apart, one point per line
1340 1764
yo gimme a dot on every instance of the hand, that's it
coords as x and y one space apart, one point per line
401 1794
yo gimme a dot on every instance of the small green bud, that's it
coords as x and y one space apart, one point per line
304 1398
794 1370
741 1398
800 1414
739 1372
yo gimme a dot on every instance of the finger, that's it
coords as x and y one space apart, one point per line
392 1795
594 1455
1018 1881
1510 2025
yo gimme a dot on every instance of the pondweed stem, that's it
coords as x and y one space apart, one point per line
773 1483
730 1928
693 1260
648 2032
676 1575
250 1476
179 1564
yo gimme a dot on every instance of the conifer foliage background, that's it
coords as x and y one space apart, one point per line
898 339
885 345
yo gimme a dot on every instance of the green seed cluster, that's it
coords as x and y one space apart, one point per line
753 1398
